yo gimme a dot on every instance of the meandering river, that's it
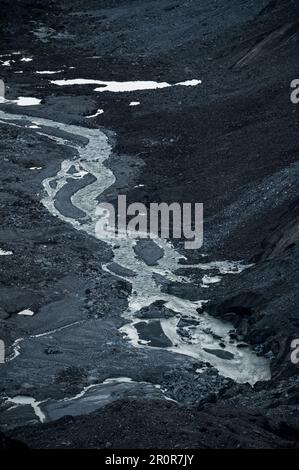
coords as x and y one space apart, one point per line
201 335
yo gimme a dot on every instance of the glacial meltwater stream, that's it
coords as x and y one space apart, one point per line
202 332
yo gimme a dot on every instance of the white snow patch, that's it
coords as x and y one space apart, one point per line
99 111
27 101
120 87
21 101
26 313
5 253
140 85
118 380
48 72
190 83
10 53
206 280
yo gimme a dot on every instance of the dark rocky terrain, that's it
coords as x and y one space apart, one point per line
231 143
